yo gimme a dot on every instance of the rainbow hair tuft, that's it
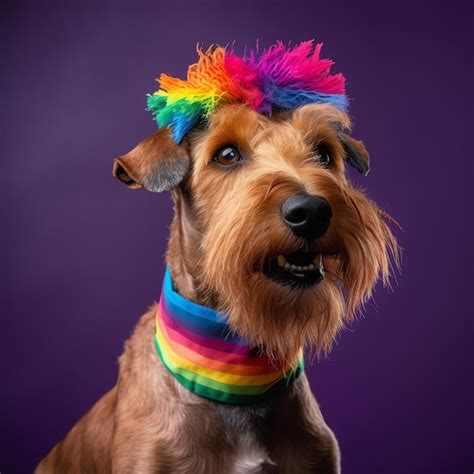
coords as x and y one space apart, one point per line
279 77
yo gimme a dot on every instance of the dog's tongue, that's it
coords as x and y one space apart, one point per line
300 258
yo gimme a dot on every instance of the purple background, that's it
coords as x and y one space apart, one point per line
82 256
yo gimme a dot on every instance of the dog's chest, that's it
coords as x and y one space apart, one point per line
251 455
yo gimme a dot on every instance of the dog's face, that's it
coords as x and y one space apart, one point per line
287 246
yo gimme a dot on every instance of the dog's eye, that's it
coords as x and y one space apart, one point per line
323 154
228 155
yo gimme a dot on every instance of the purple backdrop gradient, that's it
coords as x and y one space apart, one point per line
82 256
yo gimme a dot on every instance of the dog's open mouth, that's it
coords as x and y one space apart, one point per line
296 270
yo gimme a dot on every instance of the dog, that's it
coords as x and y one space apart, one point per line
271 243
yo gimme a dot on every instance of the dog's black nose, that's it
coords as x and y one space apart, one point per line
307 215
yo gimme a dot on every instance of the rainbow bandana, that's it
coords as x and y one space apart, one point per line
197 347
279 77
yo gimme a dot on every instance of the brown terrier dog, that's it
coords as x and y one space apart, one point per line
267 229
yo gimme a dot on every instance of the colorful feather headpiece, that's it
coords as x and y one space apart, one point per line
279 77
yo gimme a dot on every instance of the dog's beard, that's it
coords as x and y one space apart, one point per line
279 318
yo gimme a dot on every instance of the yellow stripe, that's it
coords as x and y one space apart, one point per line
214 374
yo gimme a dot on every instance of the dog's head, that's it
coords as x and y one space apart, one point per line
267 228
286 246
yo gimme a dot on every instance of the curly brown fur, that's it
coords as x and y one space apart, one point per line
227 224
238 212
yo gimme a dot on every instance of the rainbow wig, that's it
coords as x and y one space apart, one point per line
279 77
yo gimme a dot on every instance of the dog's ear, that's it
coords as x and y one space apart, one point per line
157 163
356 153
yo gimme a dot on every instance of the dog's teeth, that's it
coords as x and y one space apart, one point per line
317 264
321 264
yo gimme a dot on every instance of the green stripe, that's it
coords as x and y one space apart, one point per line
225 393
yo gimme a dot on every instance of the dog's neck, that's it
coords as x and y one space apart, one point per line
198 347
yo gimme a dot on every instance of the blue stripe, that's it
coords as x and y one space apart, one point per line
195 317
201 327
